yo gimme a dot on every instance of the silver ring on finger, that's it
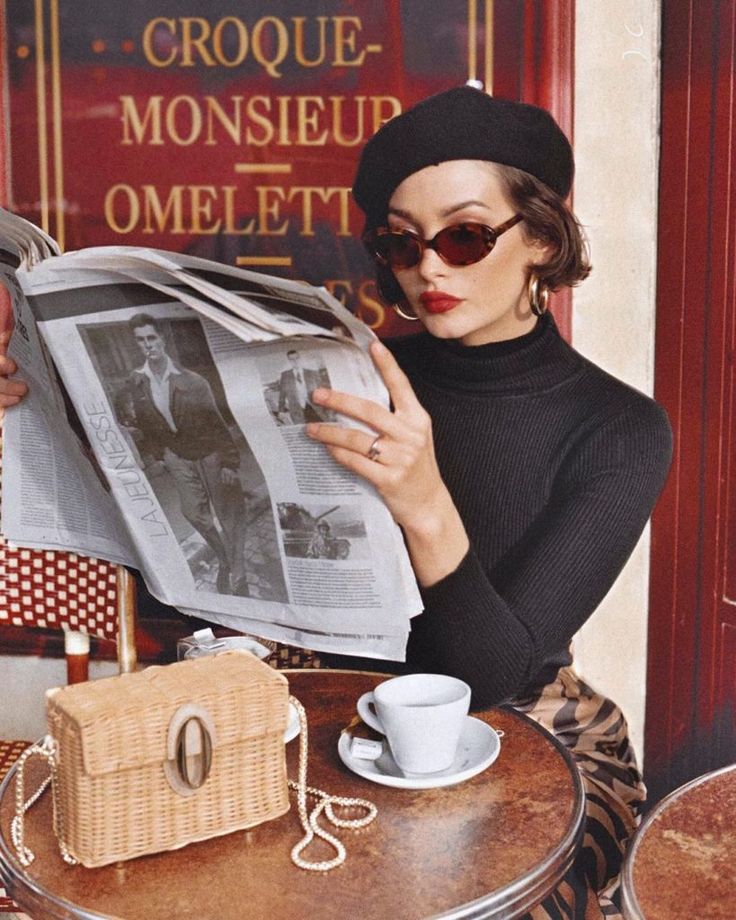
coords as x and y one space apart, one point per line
374 451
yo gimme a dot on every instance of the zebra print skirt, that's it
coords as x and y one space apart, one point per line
594 731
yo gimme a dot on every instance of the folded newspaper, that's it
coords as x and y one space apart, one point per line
164 430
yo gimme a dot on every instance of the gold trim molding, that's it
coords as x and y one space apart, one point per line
48 112
474 25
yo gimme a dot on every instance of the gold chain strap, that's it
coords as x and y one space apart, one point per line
47 749
325 804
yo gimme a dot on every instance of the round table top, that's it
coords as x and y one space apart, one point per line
682 862
492 846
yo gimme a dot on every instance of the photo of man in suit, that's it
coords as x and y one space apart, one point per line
295 391
171 415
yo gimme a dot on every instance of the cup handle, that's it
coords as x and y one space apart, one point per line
367 714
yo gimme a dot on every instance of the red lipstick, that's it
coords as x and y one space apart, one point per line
438 301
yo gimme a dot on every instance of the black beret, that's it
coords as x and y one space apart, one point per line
463 123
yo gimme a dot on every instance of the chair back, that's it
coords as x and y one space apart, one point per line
55 589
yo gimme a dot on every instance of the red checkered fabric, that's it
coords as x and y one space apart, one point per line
7 905
55 589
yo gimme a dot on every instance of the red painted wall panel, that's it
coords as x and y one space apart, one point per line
689 727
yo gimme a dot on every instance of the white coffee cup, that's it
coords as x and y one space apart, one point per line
422 716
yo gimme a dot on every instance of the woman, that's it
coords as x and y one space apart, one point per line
521 474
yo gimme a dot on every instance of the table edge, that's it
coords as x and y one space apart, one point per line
527 896
630 902
11 871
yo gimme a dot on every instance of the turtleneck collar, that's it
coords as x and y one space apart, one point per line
536 361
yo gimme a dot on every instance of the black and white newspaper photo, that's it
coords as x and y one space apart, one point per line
169 404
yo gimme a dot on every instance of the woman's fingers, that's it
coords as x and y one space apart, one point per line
346 438
407 408
11 391
7 365
396 454
360 464
397 383
362 410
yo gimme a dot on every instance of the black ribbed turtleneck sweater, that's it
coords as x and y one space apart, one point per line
554 466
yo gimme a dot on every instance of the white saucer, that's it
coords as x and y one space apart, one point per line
292 726
479 746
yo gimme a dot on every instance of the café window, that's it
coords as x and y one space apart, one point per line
231 131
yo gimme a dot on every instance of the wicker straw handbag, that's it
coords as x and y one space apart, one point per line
152 761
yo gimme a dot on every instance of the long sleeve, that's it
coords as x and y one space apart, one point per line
554 467
496 626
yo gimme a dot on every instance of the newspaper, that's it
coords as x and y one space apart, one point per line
164 430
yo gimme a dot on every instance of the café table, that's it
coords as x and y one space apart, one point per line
492 846
682 860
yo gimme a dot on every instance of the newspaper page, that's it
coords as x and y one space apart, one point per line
274 305
53 493
236 515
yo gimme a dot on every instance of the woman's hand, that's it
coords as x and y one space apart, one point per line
11 391
404 469
398 459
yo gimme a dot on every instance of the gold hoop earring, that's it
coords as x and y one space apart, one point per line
538 294
412 317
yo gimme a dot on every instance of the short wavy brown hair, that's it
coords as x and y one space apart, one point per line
546 218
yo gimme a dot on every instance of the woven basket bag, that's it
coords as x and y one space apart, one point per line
154 760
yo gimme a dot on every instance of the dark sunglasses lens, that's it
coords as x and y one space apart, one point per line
397 249
464 244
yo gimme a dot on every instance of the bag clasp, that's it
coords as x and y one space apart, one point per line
189 744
